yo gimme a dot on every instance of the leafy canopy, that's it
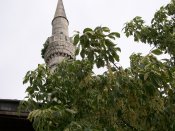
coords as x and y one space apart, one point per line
141 97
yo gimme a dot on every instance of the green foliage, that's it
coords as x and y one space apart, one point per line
138 98
97 46
43 51
157 52
73 98
161 32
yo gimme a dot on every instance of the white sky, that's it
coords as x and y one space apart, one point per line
26 24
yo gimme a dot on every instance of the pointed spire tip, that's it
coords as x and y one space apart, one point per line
60 11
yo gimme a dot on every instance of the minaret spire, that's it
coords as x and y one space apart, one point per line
60 11
59 46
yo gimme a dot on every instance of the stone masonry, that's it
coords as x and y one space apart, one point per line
59 46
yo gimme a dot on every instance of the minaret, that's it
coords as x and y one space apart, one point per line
59 45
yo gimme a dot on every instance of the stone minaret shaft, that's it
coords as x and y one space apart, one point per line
59 45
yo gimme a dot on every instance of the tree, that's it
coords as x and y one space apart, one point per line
141 97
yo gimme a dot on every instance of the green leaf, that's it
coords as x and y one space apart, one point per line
30 90
111 59
157 52
82 53
87 30
105 29
116 57
109 43
91 56
76 39
77 51
84 41
127 34
26 78
111 36
100 63
118 49
113 69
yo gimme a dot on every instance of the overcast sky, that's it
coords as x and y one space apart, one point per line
26 24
